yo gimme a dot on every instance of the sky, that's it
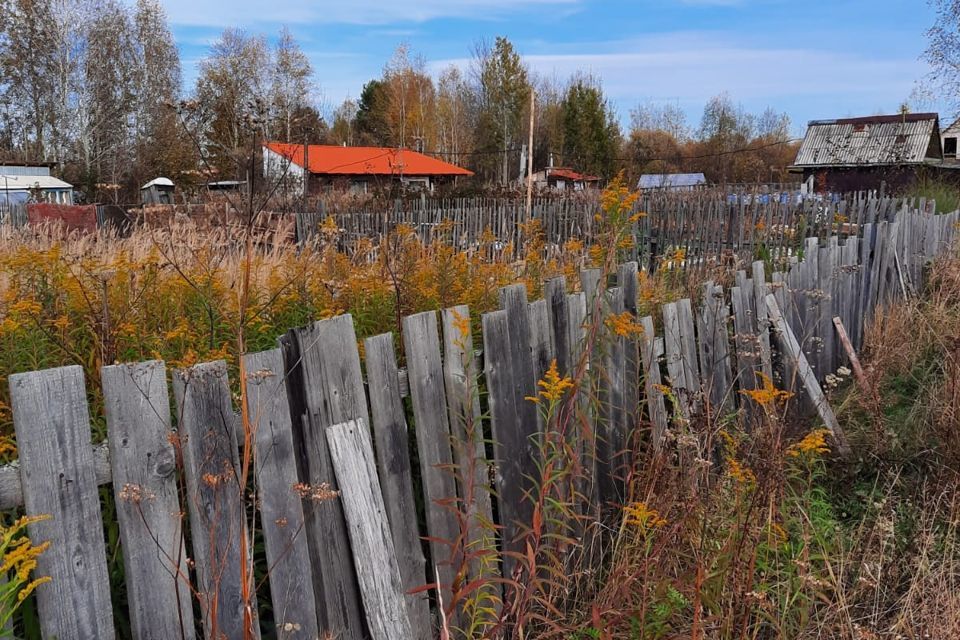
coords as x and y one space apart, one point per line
811 59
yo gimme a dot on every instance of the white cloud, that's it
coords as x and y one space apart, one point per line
358 12
689 68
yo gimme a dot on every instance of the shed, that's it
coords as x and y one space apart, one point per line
157 191
672 181
852 154
21 183
564 179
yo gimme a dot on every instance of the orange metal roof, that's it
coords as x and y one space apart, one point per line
570 174
336 160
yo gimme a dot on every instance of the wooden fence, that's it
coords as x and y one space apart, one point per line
327 418
707 227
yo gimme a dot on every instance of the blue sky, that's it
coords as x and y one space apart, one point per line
812 59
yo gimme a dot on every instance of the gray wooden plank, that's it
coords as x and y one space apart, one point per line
513 300
791 348
11 488
746 345
712 369
370 538
656 407
53 440
144 470
514 438
469 451
627 281
761 321
541 342
688 351
207 427
326 388
281 508
826 269
555 293
677 377
396 475
421 343
611 442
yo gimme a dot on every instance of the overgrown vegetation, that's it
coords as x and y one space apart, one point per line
734 525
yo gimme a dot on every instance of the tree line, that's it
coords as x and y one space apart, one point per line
95 86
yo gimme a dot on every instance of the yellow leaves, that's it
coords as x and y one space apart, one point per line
740 472
27 307
813 445
553 386
642 517
181 329
624 325
19 559
767 396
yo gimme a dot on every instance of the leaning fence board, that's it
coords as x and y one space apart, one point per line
370 539
207 427
421 344
323 367
144 470
463 402
396 475
791 348
53 440
281 508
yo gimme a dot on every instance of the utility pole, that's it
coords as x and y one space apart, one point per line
306 172
530 161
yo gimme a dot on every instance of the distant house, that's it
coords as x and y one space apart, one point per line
853 154
21 183
672 181
948 139
564 179
157 191
357 168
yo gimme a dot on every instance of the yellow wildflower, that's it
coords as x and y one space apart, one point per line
740 472
553 386
768 395
639 515
624 325
812 445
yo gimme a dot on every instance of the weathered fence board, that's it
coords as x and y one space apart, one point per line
53 439
144 469
396 475
466 423
421 343
221 546
371 542
281 508
323 369
512 435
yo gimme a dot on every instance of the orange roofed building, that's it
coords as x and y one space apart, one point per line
356 168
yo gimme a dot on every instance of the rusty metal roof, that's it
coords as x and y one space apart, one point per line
877 140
